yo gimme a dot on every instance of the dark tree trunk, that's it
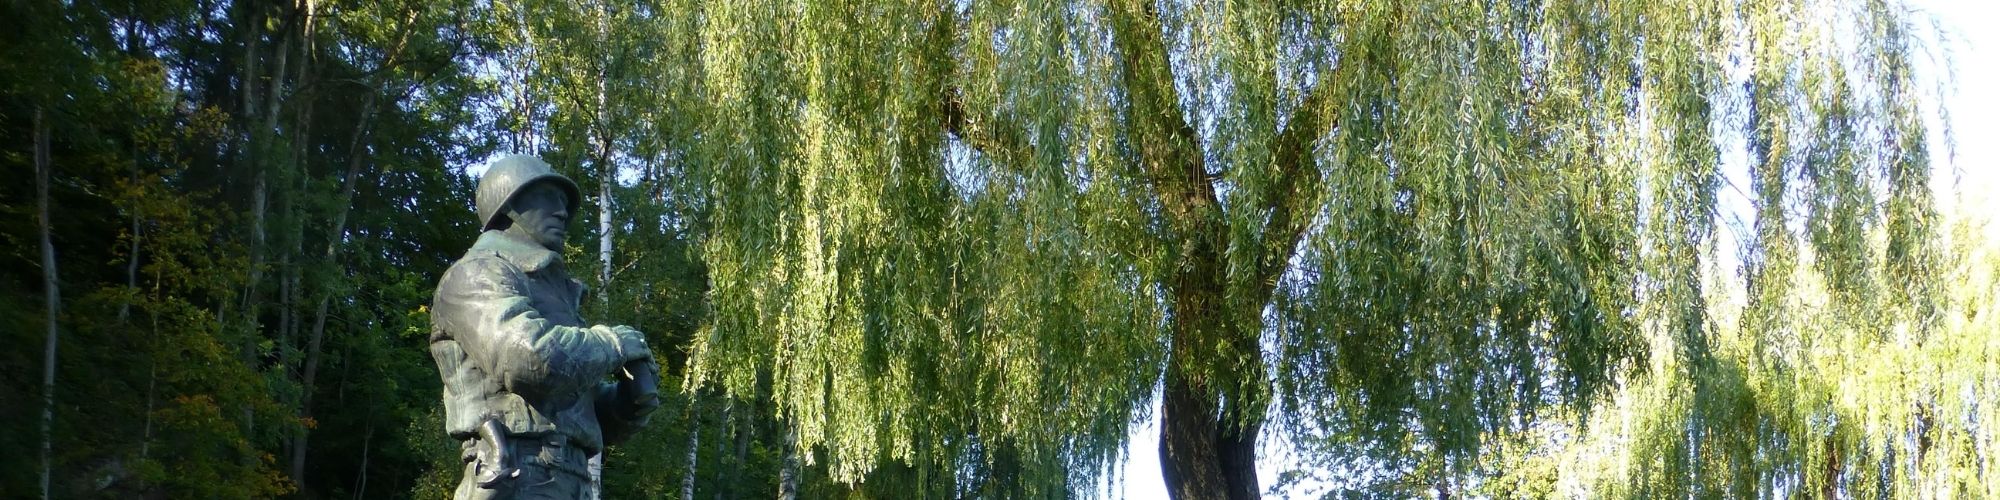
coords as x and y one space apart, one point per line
744 425
1207 450
309 376
361 474
246 156
132 253
1203 452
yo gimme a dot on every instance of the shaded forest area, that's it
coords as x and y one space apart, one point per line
250 204
962 249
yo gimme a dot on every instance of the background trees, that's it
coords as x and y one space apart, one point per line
958 249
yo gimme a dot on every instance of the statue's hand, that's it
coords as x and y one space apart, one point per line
639 376
640 386
631 345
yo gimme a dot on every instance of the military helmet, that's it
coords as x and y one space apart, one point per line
509 176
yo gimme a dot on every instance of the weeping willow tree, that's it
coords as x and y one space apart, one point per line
975 241
1852 354
1849 362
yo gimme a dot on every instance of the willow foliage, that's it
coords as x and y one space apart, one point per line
1854 358
1806 393
905 314
968 236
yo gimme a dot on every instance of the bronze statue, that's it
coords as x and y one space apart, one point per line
528 387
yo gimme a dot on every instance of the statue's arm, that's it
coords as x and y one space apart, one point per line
505 336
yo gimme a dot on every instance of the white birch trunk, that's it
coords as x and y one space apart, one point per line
603 232
788 473
50 291
694 447
596 468
607 173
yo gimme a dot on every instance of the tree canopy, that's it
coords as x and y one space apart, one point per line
961 249
1400 231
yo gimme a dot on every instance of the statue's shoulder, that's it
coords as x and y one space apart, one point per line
480 267
471 281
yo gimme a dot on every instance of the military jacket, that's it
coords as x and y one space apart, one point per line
509 344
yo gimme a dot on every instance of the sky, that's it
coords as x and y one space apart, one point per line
1974 106
1965 179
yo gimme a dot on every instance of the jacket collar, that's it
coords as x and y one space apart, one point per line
531 257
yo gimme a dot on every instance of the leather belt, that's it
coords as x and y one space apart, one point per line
510 452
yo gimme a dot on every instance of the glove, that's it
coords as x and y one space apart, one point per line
639 386
631 345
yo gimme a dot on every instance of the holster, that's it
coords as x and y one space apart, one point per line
496 465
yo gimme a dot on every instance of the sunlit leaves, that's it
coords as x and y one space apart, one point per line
1820 371
985 324
1445 222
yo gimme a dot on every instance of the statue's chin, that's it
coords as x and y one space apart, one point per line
551 236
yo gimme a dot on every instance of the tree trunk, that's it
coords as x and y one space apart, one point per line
294 287
297 28
788 471
602 153
259 193
309 377
1206 450
275 93
604 233
152 376
361 479
607 173
53 305
596 468
146 432
694 445
744 426
1203 452
253 20
131 270
259 200
132 252
723 447
132 37
1215 387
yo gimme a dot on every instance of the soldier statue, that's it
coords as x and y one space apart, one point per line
531 392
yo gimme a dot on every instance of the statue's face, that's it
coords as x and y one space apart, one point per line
541 213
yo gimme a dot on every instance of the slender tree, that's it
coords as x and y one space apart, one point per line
52 305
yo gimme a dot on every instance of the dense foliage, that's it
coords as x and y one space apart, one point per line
252 202
959 249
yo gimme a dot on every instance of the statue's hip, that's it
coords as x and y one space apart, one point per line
544 467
